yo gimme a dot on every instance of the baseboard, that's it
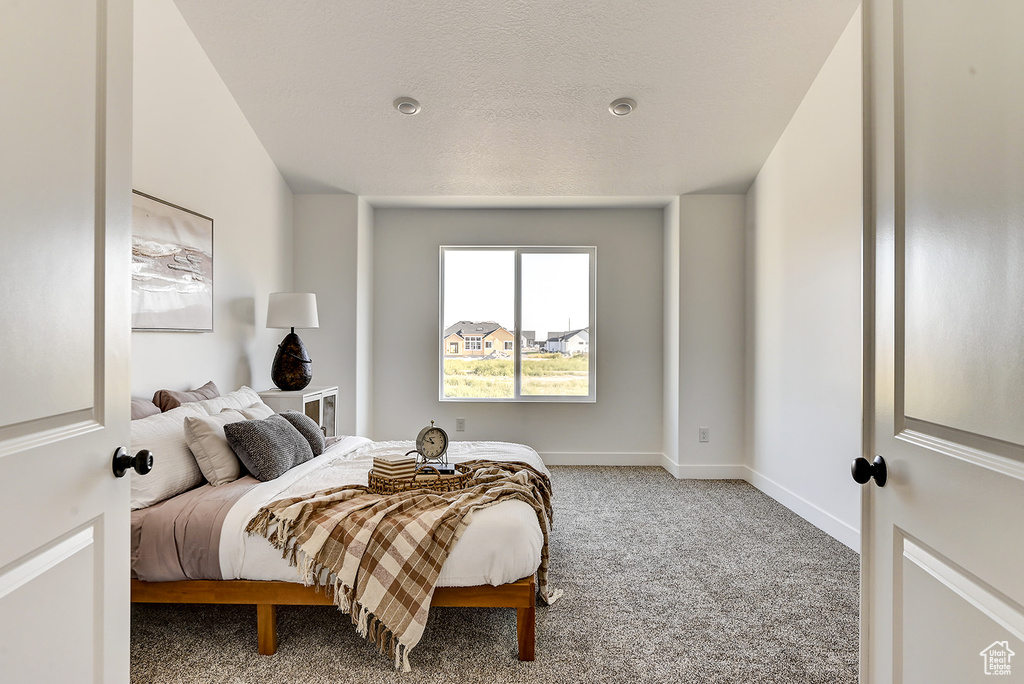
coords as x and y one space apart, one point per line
600 458
688 471
821 519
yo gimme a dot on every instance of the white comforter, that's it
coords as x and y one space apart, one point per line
501 544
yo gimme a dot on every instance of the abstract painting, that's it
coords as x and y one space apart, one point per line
172 267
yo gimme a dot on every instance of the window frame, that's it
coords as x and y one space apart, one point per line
473 342
518 396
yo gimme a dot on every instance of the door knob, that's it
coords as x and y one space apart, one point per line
141 462
862 470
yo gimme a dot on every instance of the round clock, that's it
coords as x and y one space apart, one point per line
432 443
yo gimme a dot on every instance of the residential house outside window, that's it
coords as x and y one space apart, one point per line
521 290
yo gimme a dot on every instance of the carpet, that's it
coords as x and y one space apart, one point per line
665 580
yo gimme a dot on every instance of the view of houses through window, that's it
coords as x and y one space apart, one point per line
546 354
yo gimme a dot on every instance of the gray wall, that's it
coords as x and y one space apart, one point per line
704 336
326 239
624 425
193 147
804 309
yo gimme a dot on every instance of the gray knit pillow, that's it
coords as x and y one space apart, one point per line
308 428
268 448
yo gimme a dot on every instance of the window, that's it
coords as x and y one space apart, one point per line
453 348
547 291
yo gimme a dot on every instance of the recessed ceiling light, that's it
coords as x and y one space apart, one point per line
622 106
407 105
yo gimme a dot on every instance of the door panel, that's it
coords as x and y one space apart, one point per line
51 577
65 203
942 556
963 107
49 160
941 604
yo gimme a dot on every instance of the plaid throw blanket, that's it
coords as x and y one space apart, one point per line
379 556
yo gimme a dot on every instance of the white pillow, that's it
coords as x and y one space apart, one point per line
241 398
174 467
257 411
205 437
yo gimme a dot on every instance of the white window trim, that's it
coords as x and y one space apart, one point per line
473 343
518 396
488 344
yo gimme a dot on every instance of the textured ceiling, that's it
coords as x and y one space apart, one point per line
515 93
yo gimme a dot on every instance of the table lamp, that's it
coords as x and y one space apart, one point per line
292 369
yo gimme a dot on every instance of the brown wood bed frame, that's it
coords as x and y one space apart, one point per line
266 596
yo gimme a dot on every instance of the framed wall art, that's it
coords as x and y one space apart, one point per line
172 267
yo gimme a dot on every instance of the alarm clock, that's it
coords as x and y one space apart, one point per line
431 445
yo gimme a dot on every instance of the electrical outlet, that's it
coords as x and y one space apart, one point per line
460 424
704 434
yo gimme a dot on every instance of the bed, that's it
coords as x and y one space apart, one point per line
192 547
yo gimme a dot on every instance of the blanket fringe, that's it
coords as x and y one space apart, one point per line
367 625
259 523
551 595
375 631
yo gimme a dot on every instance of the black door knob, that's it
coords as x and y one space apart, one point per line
863 470
141 462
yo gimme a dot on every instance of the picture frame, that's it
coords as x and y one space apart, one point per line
172 267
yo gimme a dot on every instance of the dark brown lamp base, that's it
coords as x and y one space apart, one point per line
292 369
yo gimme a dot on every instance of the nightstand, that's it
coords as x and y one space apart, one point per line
319 403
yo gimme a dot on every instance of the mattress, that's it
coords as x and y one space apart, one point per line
201 534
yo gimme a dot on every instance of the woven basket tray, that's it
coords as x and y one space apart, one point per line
423 479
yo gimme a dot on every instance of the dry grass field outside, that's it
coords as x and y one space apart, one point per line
543 375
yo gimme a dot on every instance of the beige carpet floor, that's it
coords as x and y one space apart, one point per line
665 581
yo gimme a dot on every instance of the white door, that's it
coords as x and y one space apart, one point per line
943 540
65 212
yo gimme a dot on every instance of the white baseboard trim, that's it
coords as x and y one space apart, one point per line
688 471
821 519
679 471
599 458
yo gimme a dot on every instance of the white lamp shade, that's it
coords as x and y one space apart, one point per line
292 310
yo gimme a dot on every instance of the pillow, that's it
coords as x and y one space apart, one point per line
257 411
268 448
174 467
205 437
308 428
169 399
241 398
142 408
